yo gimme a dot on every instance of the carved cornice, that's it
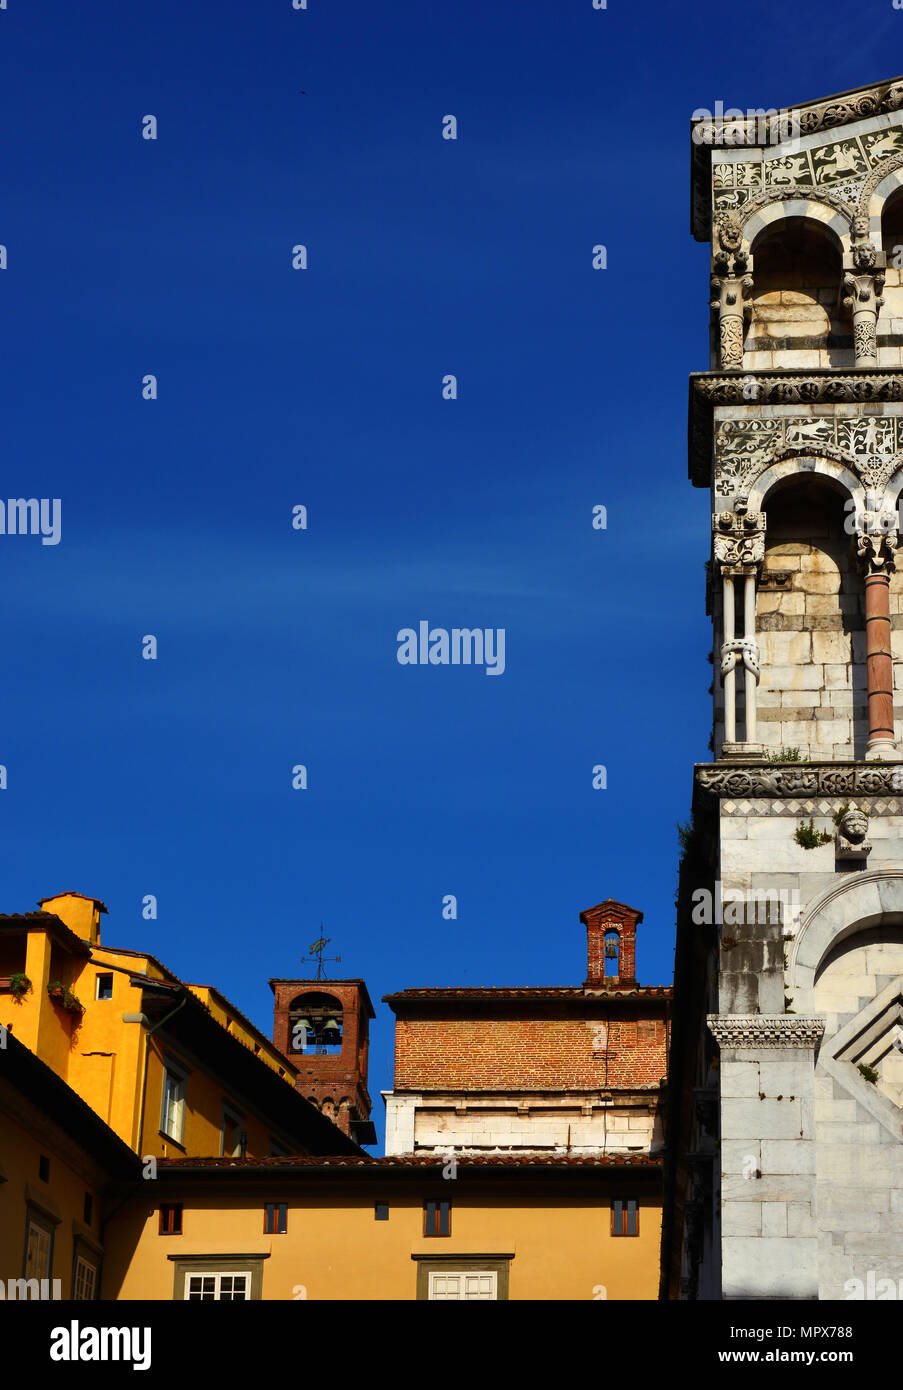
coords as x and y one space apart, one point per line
820 386
740 781
733 1031
830 113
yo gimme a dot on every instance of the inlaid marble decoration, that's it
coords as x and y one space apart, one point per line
839 165
872 444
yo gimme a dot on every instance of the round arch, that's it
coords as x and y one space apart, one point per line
893 488
880 194
798 465
852 906
837 225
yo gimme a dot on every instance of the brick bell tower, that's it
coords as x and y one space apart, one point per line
322 1026
611 944
786 1077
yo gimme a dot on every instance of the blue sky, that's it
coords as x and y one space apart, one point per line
323 388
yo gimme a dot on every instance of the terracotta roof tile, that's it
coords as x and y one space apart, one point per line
531 992
517 1160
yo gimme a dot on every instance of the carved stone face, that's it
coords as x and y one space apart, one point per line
861 226
854 826
730 235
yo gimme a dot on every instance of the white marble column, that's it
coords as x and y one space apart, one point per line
730 676
752 677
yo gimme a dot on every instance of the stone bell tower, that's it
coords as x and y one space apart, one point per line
787 1073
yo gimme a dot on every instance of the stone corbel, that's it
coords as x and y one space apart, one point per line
851 838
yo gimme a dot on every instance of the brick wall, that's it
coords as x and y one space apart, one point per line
514 1053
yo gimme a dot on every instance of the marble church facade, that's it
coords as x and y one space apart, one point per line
786 1169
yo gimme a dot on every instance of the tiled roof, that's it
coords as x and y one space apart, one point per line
251 1027
71 893
141 955
137 977
52 923
514 1160
531 992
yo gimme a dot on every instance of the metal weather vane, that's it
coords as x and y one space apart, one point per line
316 954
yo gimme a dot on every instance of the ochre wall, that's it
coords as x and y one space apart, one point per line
562 1246
102 1058
25 1136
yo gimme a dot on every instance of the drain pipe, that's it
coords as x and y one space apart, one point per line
143 1019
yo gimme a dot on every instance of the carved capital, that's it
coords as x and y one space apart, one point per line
733 1031
739 536
728 293
876 551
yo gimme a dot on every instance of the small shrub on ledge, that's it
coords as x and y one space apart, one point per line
868 1072
786 755
809 837
19 984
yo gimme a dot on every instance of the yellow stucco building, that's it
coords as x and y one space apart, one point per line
154 1146
391 1228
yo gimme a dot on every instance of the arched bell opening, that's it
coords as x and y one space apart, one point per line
612 954
315 1024
796 302
890 319
810 620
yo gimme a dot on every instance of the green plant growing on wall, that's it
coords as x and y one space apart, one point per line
868 1072
19 984
809 837
786 755
63 996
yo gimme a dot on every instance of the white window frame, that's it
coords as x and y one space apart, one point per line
173 1110
85 1281
217 1275
44 1245
463 1275
236 1119
103 975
